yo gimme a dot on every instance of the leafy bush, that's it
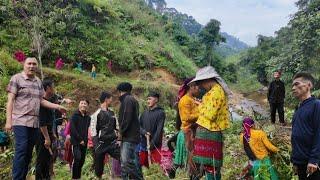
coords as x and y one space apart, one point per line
8 65
95 31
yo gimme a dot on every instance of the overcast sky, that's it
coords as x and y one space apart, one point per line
244 19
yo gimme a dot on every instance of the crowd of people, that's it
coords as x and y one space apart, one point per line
35 115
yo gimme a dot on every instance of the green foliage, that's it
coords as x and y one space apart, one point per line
154 172
94 31
187 22
8 66
246 81
5 163
295 48
210 34
171 115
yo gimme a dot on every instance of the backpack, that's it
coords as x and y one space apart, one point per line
4 138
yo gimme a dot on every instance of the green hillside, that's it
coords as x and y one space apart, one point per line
153 52
130 34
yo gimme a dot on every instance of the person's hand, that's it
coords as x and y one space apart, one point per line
82 143
148 134
197 101
47 143
62 109
68 101
311 168
8 126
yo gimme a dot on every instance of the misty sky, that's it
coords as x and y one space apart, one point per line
244 19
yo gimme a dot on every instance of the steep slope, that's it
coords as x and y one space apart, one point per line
127 33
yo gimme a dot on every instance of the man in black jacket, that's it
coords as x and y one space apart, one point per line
129 133
106 134
79 125
151 124
305 137
44 145
276 95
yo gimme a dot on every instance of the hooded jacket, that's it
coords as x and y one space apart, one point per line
152 121
79 126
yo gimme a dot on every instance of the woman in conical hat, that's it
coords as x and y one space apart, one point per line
213 119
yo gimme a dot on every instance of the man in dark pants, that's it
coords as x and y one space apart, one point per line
305 138
25 95
276 95
129 133
151 124
106 134
44 146
79 125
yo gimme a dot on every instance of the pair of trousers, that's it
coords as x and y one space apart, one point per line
274 107
130 166
25 139
43 161
100 151
302 173
79 156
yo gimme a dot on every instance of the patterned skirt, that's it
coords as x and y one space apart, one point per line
180 153
208 148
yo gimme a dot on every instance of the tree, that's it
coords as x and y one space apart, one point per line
36 24
210 36
38 41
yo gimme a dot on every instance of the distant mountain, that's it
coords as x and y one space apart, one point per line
232 45
186 21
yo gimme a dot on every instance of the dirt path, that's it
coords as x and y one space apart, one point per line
252 104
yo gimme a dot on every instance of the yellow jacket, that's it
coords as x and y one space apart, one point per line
188 111
259 144
213 111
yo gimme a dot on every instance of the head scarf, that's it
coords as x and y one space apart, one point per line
247 124
183 88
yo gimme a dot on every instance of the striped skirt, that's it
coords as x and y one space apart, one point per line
208 148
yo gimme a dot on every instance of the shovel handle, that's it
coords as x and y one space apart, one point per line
148 148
